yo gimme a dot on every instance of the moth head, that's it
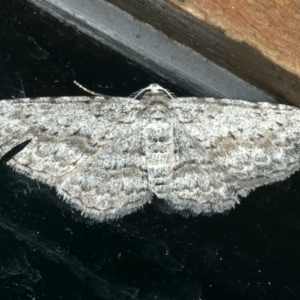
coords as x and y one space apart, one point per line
153 91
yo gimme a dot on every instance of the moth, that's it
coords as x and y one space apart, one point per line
108 156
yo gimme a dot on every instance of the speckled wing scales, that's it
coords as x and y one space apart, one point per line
107 156
115 182
249 144
67 135
198 184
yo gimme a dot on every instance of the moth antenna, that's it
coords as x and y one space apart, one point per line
137 93
154 88
171 94
86 90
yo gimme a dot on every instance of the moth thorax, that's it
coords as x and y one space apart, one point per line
158 111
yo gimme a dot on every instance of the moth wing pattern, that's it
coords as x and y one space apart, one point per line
108 156
115 182
65 132
198 184
252 143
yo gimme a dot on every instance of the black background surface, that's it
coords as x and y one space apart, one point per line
48 251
